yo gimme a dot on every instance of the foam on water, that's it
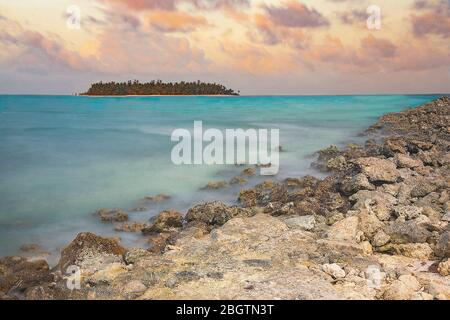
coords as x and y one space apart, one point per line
62 157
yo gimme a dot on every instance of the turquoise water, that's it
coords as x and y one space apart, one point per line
62 157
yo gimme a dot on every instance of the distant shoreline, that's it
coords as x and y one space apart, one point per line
157 95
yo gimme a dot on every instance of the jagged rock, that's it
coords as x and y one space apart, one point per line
402 289
134 255
422 188
334 217
443 245
166 221
337 164
378 170
88 244
421 251
404 161
216 213
369 223
334 270
354 184
407 232
114 215
408 212
380 239
249 197
19 274
346 229
378 202
158 242
306 222
444 268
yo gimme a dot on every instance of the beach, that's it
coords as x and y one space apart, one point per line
374 226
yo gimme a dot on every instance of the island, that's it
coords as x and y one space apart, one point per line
156 88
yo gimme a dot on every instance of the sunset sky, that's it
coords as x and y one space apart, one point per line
255 46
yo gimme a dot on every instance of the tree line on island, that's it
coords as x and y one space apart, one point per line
157 88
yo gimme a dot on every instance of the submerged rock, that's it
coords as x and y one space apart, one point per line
215 185
114 215
158 198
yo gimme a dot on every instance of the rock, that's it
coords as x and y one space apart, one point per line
408 212
158 198
215 185
444 268
134 288
136 254
130 227
354 184
334 217
165 221
407 232
404 161
334 270
421 251
369 223
158 242
31 247
346 229
88 244
19 274
378 170
378 202
337 164
106 275
249 197
422 188
306 222
402 289
238 180
114 215
446 217
248 172
432 214
215 213
422 296
442 249
139 209
380 239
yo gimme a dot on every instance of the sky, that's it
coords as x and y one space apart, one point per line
305 47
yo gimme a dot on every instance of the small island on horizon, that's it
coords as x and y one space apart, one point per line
158 88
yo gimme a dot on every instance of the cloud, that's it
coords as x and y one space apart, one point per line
433 19
294 14
175 21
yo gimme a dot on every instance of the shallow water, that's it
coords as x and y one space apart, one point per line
62 157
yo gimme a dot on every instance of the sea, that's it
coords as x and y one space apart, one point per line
64 157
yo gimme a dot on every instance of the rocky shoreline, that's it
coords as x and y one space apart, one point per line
376 228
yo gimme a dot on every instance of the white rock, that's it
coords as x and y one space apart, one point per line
334 270
306 222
